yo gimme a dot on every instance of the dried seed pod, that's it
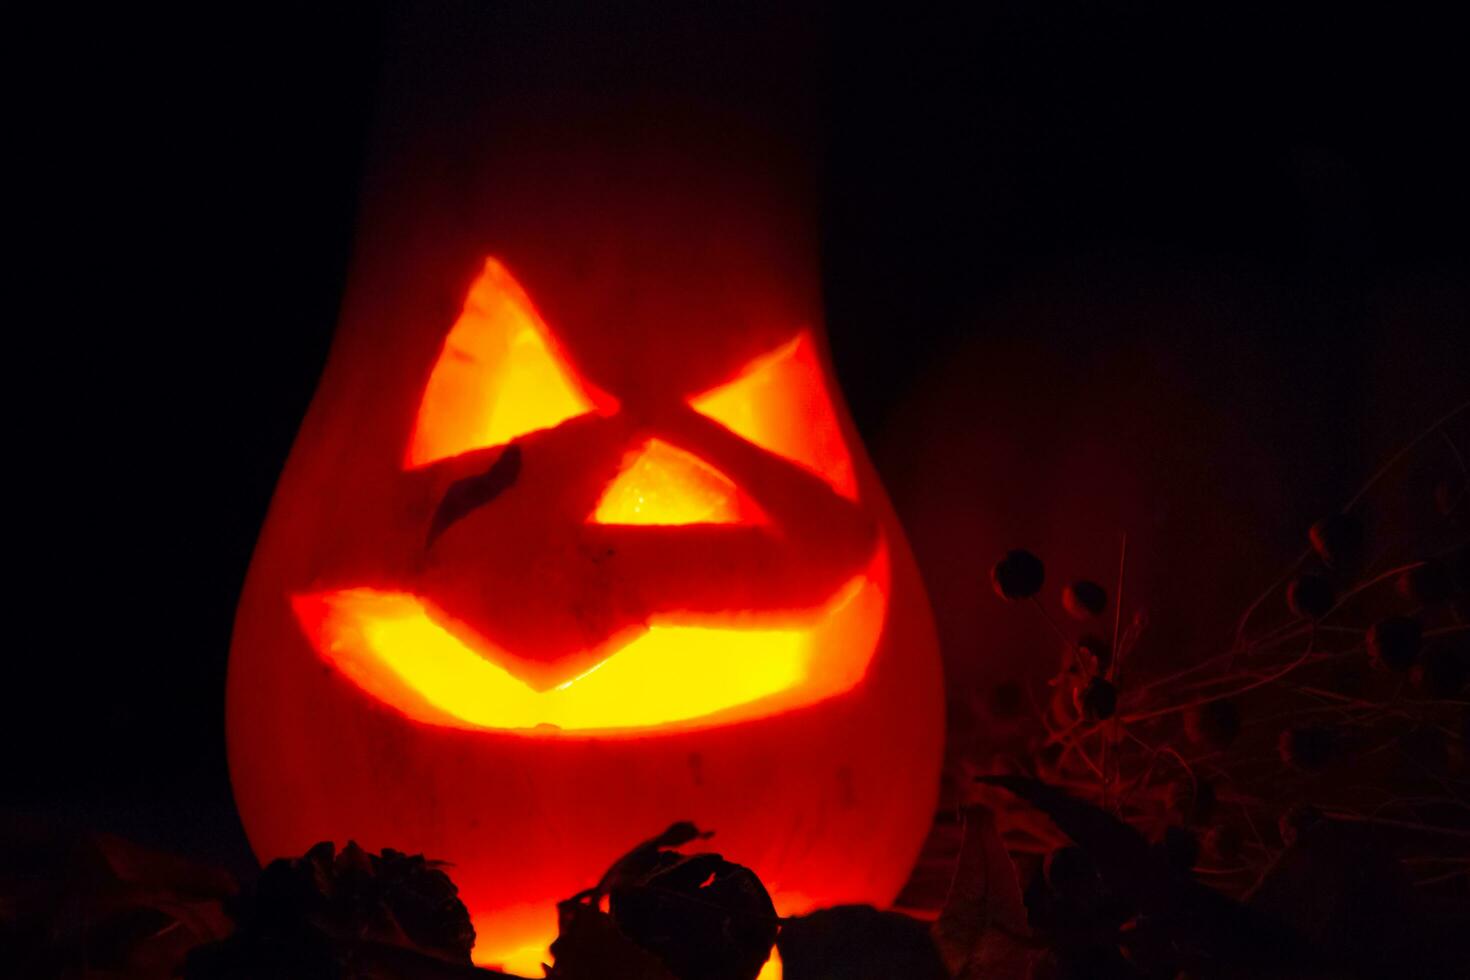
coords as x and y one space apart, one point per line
1337 540
1215 723
1444 670
1393 643
1310 596
1019 575
1084 600
1426 583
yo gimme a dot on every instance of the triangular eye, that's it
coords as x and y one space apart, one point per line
499 375
780 403
661 484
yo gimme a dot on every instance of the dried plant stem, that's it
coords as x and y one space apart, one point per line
1115 669
1414 825
1396 457
1382 471
1268 679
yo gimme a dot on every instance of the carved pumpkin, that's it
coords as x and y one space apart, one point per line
577 539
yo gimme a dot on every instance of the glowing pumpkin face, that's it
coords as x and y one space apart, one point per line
744 611
525 595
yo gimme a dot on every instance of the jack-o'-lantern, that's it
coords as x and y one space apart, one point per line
576 540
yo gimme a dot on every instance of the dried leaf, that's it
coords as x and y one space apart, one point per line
701 917
101 904
984 908
141 867
638 861
590 947
704 917
1340 887
348 914
1201 928
1119 851
386 961
858 942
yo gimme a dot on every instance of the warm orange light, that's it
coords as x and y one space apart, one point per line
526 960
780 403
670 675
499 375
661 484
443 648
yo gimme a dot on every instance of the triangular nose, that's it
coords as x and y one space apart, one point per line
662 484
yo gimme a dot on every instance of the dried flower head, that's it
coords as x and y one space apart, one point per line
1215 723
1393 643
1084 599
1337 540
1444 669
1310 596
1426 583
1019 575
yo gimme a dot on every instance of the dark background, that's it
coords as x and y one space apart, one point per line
1186 270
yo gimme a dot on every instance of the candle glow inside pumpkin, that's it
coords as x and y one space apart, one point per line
723 582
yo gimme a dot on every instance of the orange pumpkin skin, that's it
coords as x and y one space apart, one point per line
658 281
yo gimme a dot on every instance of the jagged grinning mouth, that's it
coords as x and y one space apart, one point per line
670 676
